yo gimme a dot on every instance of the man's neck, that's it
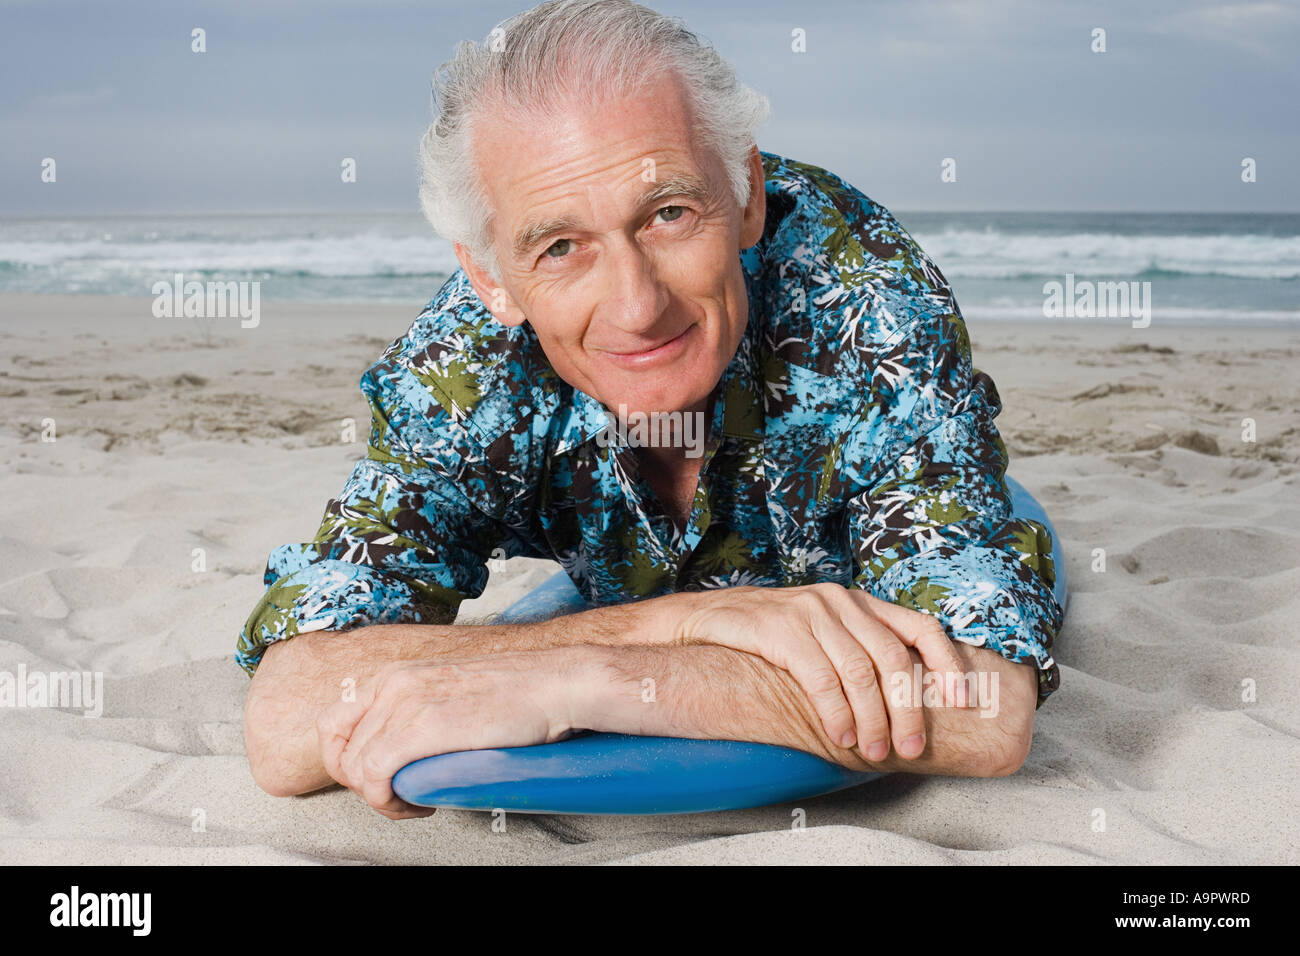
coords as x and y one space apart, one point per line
673 469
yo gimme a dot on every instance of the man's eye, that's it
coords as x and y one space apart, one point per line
560 248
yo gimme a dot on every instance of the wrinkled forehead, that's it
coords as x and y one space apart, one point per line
591 158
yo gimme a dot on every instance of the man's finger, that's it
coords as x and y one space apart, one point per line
858 678
334 727
814 672
358 759
926 634
894 665
405 811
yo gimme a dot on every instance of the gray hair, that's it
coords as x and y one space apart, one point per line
532 60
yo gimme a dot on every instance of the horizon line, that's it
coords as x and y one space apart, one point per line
897 210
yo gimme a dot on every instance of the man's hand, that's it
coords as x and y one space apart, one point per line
846 648
300 678
412 710
712 692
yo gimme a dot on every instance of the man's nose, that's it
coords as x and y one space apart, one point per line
635 296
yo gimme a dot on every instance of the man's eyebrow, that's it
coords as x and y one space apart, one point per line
682 186
534 233
686 187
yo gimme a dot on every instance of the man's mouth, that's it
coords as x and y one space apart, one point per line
669 348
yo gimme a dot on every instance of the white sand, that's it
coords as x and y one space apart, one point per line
166 444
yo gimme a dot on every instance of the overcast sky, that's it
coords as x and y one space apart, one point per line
1035 119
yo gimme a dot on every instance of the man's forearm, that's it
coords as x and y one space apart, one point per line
715 692
700 690
299 677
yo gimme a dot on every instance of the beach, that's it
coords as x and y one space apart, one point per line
150 466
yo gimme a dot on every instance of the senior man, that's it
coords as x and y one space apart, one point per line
626 250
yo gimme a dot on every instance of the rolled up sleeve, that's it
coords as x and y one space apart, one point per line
402 543
933 530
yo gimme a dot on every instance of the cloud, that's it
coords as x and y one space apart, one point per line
72 99
1256 28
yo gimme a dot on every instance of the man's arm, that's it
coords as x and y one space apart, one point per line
516 699
915 452
716 692
299 678
932 523
934 530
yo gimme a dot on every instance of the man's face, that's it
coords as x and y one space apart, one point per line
618 241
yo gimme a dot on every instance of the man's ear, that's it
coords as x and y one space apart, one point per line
493 296
754 217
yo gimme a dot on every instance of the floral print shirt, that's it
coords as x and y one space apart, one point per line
850 440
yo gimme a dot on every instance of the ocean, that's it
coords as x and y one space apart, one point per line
1203 268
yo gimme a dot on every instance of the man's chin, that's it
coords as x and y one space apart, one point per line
679 390
661 402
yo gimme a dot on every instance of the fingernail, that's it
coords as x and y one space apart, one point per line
912 745
879 750
849 739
